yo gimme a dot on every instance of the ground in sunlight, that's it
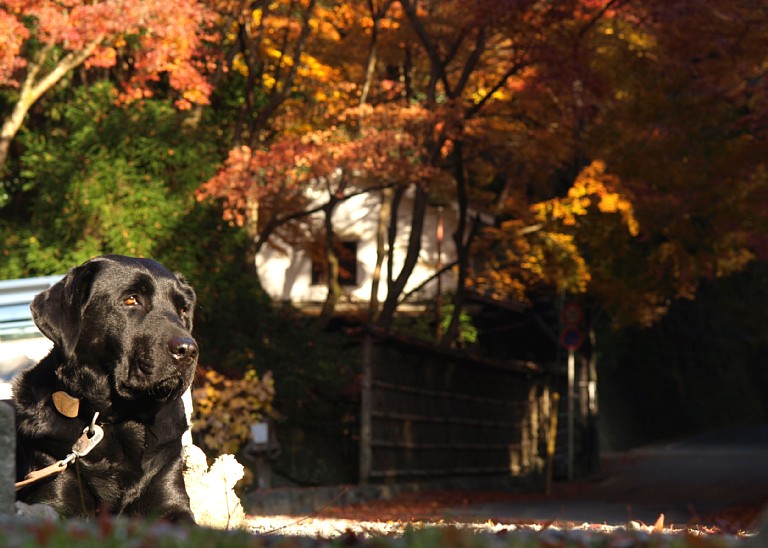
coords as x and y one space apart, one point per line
441 510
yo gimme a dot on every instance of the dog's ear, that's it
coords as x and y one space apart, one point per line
57 311
190 294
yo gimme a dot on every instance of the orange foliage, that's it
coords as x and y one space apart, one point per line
574 124
366 148
167 37
593 188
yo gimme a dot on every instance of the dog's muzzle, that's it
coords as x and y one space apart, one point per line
183 349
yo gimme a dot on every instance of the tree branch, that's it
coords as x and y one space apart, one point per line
515 68
275 222
472 61
599 15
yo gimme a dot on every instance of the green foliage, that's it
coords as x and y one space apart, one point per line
109 532
101 180
423 326
467 335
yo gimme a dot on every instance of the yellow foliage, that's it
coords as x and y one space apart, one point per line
549 248
226 408
256 17
593 186
500 94
239 65
311 67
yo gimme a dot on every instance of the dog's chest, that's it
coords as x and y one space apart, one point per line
128 459
126 440
136 444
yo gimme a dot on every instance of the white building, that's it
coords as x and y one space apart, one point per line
292 277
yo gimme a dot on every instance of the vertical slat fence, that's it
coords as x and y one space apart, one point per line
428 413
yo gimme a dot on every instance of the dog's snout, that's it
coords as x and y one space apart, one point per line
183 348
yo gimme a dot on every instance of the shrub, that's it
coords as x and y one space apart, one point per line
226 408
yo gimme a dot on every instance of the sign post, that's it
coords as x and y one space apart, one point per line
571 375
571 337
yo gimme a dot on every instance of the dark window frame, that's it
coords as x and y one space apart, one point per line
347 266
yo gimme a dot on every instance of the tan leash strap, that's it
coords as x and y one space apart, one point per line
90 438
37 475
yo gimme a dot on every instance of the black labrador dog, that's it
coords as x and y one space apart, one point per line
101 417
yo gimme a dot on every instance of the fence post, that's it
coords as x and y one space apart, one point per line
365 409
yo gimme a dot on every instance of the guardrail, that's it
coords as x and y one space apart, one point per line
21 343
15 298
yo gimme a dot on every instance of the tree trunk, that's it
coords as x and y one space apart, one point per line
462 246
372 57
385 209
396 287
32 89
332 259
11 127
254 240
385 212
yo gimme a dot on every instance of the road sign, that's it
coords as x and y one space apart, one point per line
572 314
571 338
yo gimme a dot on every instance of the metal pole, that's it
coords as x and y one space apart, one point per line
439 300
571 375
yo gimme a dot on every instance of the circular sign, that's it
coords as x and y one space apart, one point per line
571 314
571 338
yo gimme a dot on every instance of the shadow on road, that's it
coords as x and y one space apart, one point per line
697 480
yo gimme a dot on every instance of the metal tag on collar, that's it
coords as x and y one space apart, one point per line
90 438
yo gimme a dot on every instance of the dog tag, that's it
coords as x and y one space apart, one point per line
86 443
65 404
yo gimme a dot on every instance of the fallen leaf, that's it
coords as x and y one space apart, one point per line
658 527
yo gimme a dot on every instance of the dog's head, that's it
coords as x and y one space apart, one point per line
122 321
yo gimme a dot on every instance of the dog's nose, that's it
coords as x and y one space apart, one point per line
183 348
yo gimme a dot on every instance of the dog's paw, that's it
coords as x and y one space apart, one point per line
179 515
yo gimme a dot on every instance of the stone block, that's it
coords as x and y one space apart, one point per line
7 458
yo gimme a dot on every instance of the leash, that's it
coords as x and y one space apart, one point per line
90 438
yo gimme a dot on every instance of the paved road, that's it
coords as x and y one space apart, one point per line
687 481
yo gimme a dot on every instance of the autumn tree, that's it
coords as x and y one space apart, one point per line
668 131
473 63
286 194
568 123
144 42
303 146
457 61
696 166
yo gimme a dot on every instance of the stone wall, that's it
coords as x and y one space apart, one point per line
7 460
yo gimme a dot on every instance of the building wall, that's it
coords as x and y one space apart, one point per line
287 276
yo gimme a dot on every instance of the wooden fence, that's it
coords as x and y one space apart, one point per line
427 414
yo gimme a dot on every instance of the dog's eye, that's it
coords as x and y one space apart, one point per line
132 300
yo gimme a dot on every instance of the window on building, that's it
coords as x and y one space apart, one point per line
347 251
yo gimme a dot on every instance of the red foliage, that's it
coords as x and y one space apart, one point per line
157 37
